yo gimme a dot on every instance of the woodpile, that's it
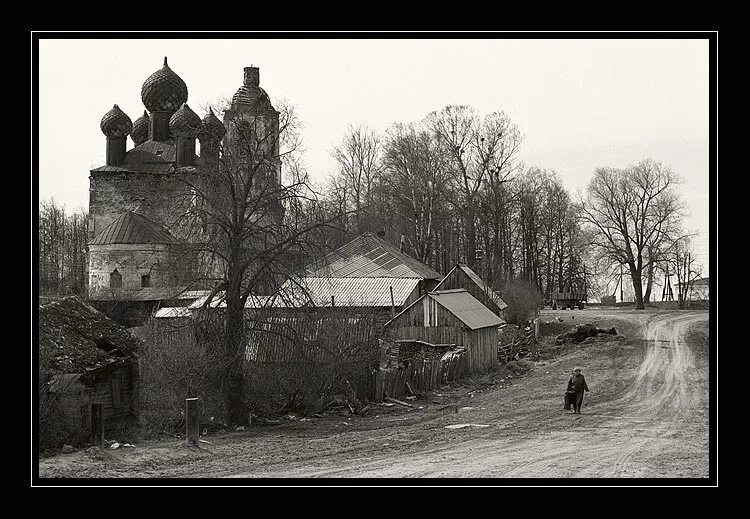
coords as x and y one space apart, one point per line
514 343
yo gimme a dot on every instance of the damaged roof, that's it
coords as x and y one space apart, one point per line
372 257
148 157
76 337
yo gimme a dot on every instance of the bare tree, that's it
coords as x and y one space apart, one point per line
63 250
247 222
414 171
629 210
358 158
476 148
684 268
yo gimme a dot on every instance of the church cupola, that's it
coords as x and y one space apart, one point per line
185 125
140 129
250 96
116 125
163 93
210 135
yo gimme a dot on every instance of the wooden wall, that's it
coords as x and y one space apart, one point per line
457 278
103 392
445 328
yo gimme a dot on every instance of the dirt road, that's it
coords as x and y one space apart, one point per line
646 416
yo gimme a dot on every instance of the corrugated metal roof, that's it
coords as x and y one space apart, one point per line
131 228
317 292
466 308
350 291
371 257
253 301
174 311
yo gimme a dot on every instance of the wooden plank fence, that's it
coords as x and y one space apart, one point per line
420 375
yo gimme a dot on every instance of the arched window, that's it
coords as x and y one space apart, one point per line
115 279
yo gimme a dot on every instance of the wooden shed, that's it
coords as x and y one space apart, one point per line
451 317
461 276
77 342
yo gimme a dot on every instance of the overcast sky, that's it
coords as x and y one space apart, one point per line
579 103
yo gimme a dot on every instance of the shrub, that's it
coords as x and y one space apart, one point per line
524 301
298 363
179 361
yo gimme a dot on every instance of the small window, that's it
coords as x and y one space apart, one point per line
159 152
146 280
115 279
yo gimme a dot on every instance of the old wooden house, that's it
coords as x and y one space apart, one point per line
461 276
80 345
450 319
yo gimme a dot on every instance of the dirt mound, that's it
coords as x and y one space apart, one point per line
582 332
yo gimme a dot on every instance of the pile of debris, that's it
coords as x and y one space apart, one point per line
582 332
515 343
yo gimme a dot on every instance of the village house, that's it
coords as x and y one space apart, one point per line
80 348
698 291
448 320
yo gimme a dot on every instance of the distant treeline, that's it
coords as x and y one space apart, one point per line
452 184
63 251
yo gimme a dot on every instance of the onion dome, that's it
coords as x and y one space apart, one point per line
139 134
116 123
185 122
212 126
164 91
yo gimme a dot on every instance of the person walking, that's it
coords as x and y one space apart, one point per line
577 384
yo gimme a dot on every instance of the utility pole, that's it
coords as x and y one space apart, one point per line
667 294
621 300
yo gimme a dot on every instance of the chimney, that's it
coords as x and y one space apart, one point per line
252 76
403 243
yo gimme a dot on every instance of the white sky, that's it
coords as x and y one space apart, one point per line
580 103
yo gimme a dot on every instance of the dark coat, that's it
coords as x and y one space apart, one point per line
577 383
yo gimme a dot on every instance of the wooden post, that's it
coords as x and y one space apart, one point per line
333 303
192 422
393 304
97 424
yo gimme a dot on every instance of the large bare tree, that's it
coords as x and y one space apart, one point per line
629 210
252 227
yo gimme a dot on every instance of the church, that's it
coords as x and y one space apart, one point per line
148 228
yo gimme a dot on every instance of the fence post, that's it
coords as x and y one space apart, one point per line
97 424
192 423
